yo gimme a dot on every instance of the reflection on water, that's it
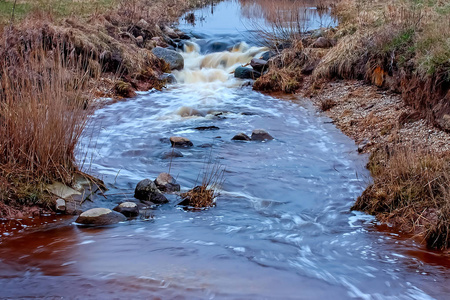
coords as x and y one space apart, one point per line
282 228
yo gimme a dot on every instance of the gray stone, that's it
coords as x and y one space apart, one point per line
146 190
100 216
60 204
181 142
261 135
241 137
246 73
62 190
259 65
128 209
173 58
166 183
268 55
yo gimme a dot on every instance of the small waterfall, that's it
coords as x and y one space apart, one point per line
214 67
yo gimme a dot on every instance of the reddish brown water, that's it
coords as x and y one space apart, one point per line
282 227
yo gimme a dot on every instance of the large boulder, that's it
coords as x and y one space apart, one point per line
246 73
146 190
241 137
100 216
261 135
166 183
180 142
128 209
173 58
259 65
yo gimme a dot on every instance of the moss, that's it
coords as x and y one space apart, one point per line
124 89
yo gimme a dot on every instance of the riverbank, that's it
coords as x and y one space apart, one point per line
383 76
55 59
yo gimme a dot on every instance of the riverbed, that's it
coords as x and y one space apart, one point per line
282 226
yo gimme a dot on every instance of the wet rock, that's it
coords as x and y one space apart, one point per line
100 216
322 42
146 190
246 73
180 142
207 128
268 55
173 58
128 209
169 78
171 154
60 205
241 137
184 37
261 135
166 183
259 65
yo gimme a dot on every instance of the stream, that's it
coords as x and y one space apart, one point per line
282 227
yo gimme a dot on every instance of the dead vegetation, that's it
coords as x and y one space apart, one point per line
204 195
411 190
53 58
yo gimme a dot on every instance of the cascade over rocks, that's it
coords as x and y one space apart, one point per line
146 190
128 209
173 58
100 216
166 183
261 135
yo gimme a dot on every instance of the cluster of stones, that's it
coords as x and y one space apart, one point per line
147 191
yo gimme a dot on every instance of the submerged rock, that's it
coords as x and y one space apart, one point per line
261 135
128 209
146 190
246 73
171 154
166 183
207 128
241 137
181 142
100 216
173 58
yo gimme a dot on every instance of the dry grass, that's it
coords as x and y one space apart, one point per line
391 34
411 190
327 104
43 112
204 195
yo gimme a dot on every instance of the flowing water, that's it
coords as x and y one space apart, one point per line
282 228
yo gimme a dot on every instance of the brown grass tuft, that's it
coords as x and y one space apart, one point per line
204 195
327 104
411 190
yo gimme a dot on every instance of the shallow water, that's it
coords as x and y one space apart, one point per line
281 229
